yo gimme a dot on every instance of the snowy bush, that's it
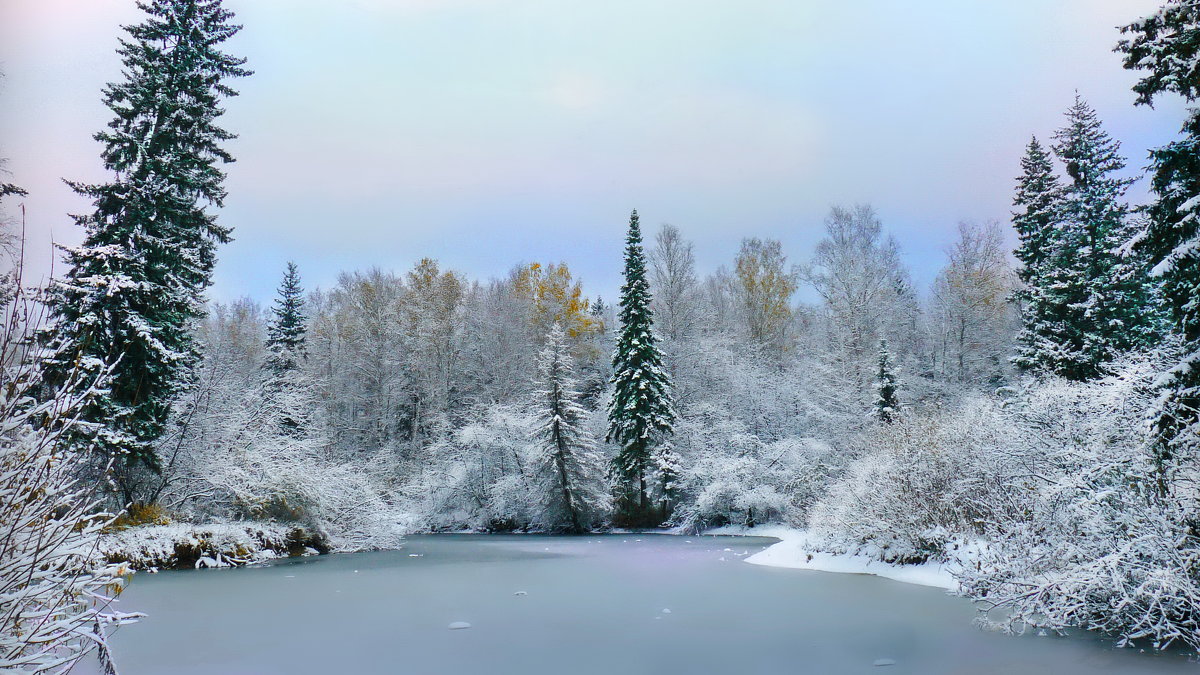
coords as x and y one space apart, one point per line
54 597
480 479
919 484
240 461
731 477
1099 544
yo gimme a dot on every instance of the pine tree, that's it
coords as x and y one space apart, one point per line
599 309
1167 44
1109 306
570 474
887 387
1036 221
286 388
1084 303
135 287
288 328
640 412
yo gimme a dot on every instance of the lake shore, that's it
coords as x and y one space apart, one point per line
797 550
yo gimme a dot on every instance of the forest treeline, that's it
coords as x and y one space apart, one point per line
1036 421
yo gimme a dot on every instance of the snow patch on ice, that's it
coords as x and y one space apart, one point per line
796 550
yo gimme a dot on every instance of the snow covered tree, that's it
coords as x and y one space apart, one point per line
288 328
677 307
430 328
763 285
1087 306
1116 310
555 296
668 473
286 387
569 471
1085 303
641 410
1167 45
972 316
673 267
887 402
865 293
135 286
1036 221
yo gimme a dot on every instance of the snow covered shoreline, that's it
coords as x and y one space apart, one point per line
795 550
183 545
187 545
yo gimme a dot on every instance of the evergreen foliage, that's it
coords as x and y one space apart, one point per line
1038 197
135 287
887 402
1084 302
287 390
640 411
1167 45
1113 310
570 474
288 327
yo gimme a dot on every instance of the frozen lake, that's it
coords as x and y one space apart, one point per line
580 605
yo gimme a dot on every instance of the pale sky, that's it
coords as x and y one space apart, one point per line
485 133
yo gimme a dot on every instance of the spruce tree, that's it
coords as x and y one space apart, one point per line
887 387
1036 220
288 328
570 475
1084 303
1167 45
285 385
640 412
135 287
1109 306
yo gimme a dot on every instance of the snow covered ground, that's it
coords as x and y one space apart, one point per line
796 550
182 545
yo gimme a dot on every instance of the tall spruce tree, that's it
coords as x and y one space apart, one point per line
135 287
285 385
1110 305
1084 302
640 412
288 328
569 470
1167 45
1036 220
887 387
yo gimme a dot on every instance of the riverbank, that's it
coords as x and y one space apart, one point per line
188 545
797 549
234 544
